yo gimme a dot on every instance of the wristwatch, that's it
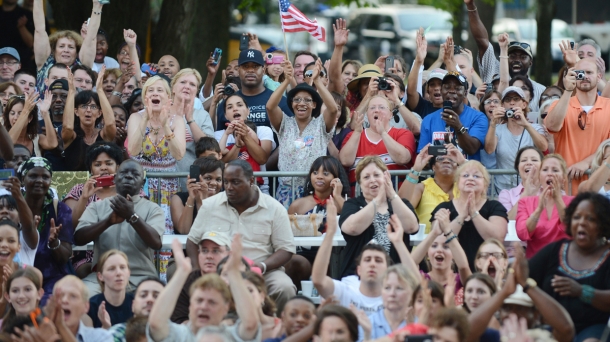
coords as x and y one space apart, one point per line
529 284
134 218
463 130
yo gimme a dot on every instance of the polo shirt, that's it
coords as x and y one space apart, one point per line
265 227
575 144
124 237
476 122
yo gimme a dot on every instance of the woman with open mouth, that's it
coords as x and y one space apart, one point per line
304 137
540 219
492 259
157 139
527 164
508 131
80 126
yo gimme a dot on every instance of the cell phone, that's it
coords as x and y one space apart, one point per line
437 150
147 69
447 105
6 173
104 181
572 45
457 49
490 86
104 2
216 56
419 338
389 63
243 43
194 172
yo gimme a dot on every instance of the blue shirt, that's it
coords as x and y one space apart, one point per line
379 326
476 122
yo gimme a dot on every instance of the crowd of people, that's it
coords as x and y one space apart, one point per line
68 106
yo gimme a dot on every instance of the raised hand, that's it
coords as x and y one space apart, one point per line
254 43
71 87
498 115
317 70
193 187
443 218
234 262
389 187
89 188
341 32
288 69
99 84
337 187
570 56
13 185
448 57
520 117
103 316
455 154
130 37
212 69
503 40
83 30
569 80
422 159
363 321
359 121
184 263
45 105
331 216
164 115
394 230
380 62
422 46
30 102
531 182
520 265
54 234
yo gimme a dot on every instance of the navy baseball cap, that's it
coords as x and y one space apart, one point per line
458 76
11 52
59 84
251 55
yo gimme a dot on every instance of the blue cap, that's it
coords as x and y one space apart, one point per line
10 51
251 55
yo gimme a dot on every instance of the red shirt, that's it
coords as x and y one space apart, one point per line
366 147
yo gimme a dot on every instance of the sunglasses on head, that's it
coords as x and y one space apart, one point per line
582 120
521 44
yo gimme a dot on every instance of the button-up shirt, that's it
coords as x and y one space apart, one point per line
265 227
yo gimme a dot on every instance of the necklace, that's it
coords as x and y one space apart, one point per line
154 130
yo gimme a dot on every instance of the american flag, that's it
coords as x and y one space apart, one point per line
294 20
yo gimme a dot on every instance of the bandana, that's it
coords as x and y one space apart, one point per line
33 162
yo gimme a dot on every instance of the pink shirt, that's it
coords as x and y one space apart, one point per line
547 230
510 197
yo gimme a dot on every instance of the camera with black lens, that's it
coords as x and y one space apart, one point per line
509 114
228 90
580 74
383 84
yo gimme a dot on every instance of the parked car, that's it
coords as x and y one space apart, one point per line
525 30
391 29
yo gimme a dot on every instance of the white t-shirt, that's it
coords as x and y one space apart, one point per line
110 63
347 295
587 108
26 255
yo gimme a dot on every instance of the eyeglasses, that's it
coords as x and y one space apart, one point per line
11 63
80 80
441 159
124 53
511 99
300 99
491 101
582 120
378 107
497 255
543 115
85 107
447 87
552 97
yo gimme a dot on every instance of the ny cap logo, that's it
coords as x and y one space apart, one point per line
250 54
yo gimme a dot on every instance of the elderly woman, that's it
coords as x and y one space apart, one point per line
575 271
55 225
8 90
198 123
304 137
65 47
365 217
425 196
474 217
600 178
527 163
23 129
540 219
507 133
157 140
396 145
80 126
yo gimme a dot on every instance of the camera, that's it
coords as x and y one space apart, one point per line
457 49
228 90
383 84
104 181
509 113
437 150
580 74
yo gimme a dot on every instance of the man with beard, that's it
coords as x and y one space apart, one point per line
126 222
579 123
253 91
520 57
145 296
467 127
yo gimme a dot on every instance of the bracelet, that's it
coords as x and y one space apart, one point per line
451 239
476 213
190 205
264 270
448 233
117 93
393 197
417 173
189 122
412 180
97 13
54 248
474 10
503 57
587 294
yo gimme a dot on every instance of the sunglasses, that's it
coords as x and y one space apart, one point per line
309 73
582 120
521 44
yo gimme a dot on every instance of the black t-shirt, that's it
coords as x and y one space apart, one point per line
74 154
470 239
354 244
118 314
10 36
424 107
552 260
55 156
258 110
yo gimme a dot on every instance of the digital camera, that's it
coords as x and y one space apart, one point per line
580 74
509 114
383 84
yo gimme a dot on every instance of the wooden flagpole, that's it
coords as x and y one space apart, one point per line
284 32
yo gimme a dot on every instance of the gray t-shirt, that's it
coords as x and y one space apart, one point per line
506 152
182 333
